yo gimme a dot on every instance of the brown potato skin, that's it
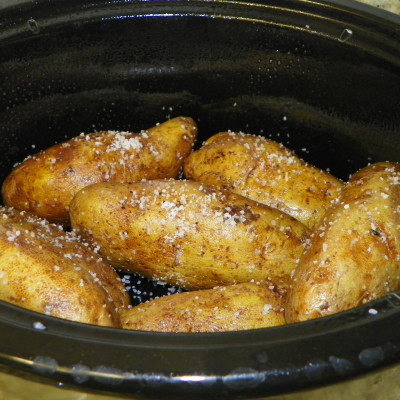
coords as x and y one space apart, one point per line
47 270
221 309
264 171
354 254
45 183
188 234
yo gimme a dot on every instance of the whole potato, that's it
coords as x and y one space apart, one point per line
44 269
265 171
226 308
45 183
188 234
354 255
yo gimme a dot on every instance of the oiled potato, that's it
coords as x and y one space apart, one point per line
45 183
265 171
44 269
188 234
227 308
354 256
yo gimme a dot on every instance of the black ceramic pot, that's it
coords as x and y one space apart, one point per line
322 77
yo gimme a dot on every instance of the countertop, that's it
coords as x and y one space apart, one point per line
389 5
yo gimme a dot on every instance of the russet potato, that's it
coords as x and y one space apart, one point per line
47 270
45 183
188 234
354 253
264 171
227 308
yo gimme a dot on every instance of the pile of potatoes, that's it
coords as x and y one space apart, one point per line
256 236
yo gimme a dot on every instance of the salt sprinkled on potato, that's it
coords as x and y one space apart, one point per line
221 309
44 269
188 234
354 253
264 171
45 183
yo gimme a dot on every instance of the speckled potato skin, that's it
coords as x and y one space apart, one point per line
44 269
188 234
354 254
264 171
221 309
45 183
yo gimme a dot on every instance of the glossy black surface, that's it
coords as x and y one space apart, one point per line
321 77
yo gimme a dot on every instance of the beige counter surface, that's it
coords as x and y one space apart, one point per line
383 385
389 5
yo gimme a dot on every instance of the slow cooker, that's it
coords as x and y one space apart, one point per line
322 77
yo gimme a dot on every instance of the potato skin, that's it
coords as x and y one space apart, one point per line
354 255
45 183
47 270
221 309
188 234
264 171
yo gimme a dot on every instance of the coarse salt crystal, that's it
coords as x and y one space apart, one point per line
266 309
122 143
39 326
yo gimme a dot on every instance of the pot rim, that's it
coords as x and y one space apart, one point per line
338 347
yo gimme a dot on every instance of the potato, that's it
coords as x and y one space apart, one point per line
354 255
45 183
265 171
44 269
226 308
188 234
